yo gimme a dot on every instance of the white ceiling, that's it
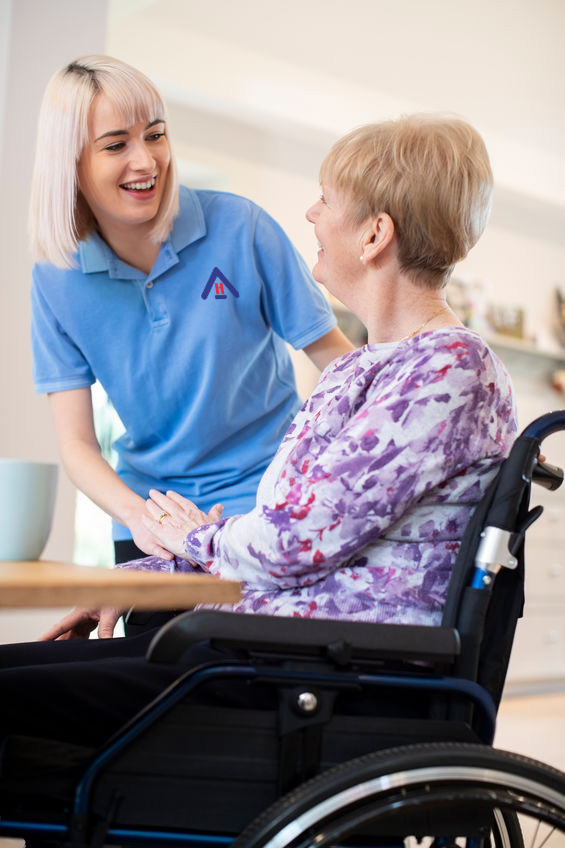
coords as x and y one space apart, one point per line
499 63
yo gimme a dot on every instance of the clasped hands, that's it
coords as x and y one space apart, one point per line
169 518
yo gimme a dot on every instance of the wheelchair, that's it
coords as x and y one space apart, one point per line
317 733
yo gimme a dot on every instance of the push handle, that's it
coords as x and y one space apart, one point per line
547 475
502 535
545 425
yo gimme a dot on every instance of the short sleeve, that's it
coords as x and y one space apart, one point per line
58 364
293 303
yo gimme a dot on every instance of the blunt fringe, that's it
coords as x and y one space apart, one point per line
431 174
58 216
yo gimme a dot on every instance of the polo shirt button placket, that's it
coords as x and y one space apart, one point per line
156 309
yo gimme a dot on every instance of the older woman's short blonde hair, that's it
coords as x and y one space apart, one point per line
59 216
431 174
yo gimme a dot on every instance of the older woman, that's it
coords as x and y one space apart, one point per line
361 512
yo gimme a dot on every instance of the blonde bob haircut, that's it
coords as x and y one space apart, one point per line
431 174
59 216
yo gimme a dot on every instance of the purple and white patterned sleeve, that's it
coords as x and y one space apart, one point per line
367 446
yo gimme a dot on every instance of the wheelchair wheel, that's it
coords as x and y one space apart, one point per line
439 795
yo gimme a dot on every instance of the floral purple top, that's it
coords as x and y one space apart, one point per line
361 512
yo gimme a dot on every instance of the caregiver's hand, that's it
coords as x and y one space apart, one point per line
142 535
171 517
79 624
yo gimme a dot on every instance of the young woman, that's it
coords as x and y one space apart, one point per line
179 302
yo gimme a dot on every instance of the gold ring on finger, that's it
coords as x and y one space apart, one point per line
163 516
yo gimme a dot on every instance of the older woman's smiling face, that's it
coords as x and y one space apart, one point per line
339 242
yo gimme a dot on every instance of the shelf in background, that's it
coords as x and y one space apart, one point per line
526 356
518 355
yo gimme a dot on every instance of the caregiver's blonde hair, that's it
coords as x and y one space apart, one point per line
59 216
431 174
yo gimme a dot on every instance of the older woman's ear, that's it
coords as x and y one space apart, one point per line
378 233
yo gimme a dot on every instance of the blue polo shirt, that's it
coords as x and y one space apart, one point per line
193 355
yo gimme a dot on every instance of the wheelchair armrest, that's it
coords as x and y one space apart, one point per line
339 641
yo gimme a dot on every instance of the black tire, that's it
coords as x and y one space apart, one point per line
506 830
462 790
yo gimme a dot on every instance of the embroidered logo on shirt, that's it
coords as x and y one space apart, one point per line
218 280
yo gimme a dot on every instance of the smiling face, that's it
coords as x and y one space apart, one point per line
122 169
339 242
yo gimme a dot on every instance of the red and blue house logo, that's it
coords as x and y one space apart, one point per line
220 283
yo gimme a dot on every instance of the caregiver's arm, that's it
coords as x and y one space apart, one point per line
327 348
89 471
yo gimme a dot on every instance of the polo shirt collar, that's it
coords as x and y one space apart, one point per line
190 224
96 256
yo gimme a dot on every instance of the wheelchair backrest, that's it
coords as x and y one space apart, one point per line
485 611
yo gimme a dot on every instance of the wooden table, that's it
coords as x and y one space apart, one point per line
59 584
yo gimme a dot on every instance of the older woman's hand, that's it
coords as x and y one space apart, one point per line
171 518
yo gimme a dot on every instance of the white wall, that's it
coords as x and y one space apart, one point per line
5 27
39 37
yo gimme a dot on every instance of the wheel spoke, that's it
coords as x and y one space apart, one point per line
535 835
551 832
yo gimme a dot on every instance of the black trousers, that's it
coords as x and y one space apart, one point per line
82 691
137 622
126 549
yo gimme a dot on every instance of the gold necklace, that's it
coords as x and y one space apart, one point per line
421 327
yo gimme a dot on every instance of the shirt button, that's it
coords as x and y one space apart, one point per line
149 285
